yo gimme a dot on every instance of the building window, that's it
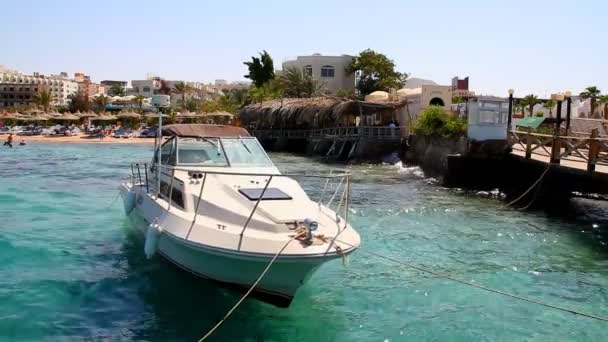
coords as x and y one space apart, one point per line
308 70
328 71
146 89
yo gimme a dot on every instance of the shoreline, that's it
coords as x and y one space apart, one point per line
77 139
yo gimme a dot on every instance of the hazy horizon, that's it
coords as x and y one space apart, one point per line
537 47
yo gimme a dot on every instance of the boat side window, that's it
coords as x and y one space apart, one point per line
167 152
201 151
245 152
177 197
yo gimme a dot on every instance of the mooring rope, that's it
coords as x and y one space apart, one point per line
531 187
111 202
468 283
252 287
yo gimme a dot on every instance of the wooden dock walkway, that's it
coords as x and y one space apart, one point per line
576 152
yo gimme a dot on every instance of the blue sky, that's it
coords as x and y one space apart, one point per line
531 46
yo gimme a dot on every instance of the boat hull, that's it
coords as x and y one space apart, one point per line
235 270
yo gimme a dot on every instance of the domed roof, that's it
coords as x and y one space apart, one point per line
409 91
377 96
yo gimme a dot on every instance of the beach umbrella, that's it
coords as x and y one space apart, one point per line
33 111
128 115
68 117
11 116
53 115
106 118
88 115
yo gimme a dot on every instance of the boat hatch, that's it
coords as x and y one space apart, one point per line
269 194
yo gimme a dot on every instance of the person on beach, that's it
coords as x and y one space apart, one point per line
9 141
22 143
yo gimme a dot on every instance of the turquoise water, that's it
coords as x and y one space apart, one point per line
71 268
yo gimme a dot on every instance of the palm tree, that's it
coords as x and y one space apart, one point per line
604 100
117 90
100 102
297 83
549 104
139 100
591 93
530 101
182 88
43 98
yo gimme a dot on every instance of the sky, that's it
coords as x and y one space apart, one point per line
533 46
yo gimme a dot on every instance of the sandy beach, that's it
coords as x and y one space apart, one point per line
80 139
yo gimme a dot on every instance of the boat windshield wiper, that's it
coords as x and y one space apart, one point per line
244 145
216 145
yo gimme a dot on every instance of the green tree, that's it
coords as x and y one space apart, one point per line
591 93
183 89
530 101
117 90
270 90
374 71
297 83
457 100
79 102
100 102
604 100
43 98
435 121
139 100
549 104
261 69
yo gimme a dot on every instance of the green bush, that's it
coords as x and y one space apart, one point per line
435 121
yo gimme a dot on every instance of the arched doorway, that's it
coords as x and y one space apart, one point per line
436 101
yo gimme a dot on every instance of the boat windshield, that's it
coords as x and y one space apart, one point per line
221 152
245 152
201 151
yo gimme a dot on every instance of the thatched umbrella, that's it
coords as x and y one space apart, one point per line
129 115
67 117
106 118
11 116
53 115
88 115
33 111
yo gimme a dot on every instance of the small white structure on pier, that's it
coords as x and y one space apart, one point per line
487 118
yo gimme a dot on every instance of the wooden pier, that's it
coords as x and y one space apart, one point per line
576 152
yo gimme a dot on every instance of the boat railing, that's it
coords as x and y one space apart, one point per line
334 195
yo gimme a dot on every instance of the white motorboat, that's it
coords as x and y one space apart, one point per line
213 203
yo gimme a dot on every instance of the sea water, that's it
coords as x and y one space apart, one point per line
72 268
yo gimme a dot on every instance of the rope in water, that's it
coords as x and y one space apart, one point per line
251 288
530 188
468 283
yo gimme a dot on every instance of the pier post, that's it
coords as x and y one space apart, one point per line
568 114
594 149
556 146
528 144
510 117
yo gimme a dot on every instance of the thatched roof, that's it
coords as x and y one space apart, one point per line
309 112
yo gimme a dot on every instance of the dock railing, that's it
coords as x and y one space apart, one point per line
592 150
334 195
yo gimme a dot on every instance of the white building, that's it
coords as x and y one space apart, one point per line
330 71
425 96
59 86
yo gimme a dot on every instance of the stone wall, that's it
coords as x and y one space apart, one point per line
431 153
